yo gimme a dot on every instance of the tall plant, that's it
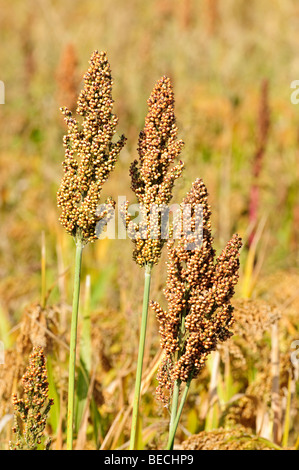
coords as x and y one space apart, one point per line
153 176
90 156
198 290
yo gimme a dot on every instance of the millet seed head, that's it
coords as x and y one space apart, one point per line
152 175
90 154
199 289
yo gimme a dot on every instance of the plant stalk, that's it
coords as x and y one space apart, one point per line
178 415
174 404
73 344
177 383
147 281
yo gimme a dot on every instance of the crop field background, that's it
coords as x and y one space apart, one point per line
231 64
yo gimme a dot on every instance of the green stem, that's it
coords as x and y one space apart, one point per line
177 383
178 416
73 344
147 281
174 404
285 437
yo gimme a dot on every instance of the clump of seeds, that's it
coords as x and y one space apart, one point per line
198 290
152 175
90 153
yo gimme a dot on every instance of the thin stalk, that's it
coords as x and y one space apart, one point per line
84 373
178 416
147 281
73 344
174 404
43 271
177 383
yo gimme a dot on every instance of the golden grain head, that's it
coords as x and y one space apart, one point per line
90 154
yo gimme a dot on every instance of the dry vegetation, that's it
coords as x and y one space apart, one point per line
242 140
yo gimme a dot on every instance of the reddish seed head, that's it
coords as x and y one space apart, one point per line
152 177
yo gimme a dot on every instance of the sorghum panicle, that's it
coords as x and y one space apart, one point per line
153 176
90 154
198 290
31 411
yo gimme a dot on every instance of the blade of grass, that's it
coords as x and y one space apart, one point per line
117 420
146 381
81 439
249 273
173 429
96 423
